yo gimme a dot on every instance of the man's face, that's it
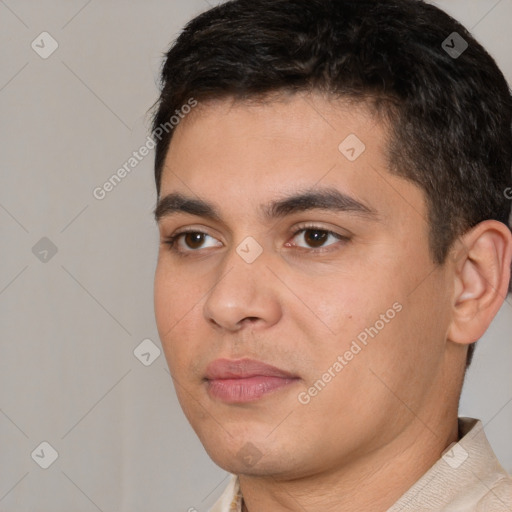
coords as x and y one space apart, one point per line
345 301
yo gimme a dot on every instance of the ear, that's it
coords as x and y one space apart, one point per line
482 273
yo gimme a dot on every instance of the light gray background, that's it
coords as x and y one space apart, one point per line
68 374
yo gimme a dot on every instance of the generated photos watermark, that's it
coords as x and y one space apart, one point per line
357 345
133 161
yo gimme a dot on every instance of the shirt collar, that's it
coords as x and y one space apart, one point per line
231 499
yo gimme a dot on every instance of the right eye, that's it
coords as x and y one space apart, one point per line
188 241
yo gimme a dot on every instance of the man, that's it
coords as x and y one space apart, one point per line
333 211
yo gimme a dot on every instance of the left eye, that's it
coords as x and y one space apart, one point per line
315 237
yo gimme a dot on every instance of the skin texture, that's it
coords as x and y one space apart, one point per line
383 420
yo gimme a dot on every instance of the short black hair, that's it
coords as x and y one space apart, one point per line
448 105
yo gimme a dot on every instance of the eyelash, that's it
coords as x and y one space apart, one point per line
172 240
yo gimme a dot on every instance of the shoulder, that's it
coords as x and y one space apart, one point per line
499 495
467 478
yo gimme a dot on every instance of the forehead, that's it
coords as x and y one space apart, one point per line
239 153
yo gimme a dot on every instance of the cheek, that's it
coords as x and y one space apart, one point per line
366 312
178 303
347 304
172 308
175 297
164 291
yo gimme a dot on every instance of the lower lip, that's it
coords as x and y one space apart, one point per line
236 391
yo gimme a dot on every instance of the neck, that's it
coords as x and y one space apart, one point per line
374 482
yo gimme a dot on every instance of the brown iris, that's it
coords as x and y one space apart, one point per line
194 240
315 237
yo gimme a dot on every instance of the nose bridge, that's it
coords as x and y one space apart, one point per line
242 289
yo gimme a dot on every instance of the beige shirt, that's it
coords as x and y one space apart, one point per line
467 478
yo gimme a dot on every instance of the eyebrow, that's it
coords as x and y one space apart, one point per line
329 199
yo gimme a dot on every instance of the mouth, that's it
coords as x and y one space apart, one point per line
244 380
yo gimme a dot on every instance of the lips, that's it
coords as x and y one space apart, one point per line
242 369
244 380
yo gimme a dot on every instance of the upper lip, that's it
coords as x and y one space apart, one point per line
243 369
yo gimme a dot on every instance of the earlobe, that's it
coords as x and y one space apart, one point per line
481 278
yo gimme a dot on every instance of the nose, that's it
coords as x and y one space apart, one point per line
245 294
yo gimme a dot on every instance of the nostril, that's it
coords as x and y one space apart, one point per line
249 320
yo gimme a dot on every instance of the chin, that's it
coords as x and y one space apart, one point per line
265 467
251 455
